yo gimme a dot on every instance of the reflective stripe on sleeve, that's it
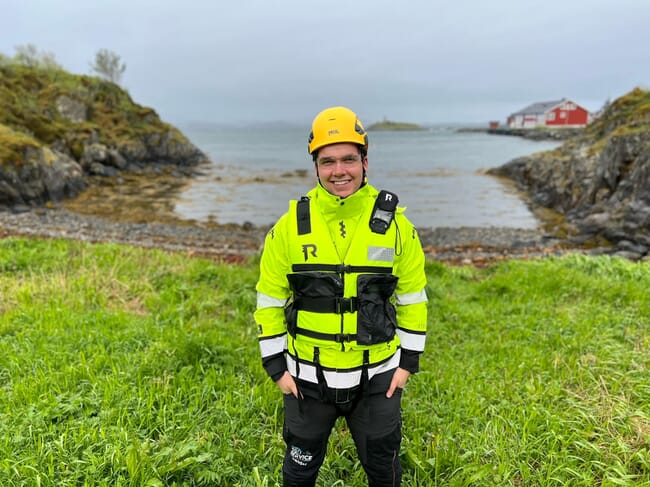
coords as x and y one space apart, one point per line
411 298
273 345
266 301
411 341
340 379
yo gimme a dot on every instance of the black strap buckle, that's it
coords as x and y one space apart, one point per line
346 305
344 337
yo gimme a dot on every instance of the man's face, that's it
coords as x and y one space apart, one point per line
341 168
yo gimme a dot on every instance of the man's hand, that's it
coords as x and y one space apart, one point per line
287 385
400 377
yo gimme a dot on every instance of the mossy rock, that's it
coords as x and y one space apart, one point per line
31 104
57 115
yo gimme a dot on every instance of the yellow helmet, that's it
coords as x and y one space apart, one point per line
335 125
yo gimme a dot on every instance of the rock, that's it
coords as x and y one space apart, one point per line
9 194
64 178
595 223
626 245
73 110
99 169
116 159
94 152
46 175
18 209
626 254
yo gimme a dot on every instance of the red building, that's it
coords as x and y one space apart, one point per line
553 114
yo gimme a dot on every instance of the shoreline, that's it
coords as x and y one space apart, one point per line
237 243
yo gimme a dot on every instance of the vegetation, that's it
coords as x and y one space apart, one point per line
630 112
29 55
389 125
107 64
13 145
129 367
33 89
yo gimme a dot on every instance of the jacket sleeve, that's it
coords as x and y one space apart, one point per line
410 295
272 294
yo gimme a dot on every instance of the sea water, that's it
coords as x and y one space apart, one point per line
437 173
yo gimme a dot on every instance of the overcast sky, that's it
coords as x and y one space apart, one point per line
425 61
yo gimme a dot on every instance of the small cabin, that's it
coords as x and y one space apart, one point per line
552 114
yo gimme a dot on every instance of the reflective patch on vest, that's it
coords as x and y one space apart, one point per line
382 254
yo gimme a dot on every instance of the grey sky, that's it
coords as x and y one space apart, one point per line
424 61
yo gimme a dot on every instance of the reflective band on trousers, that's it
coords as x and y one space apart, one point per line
337 379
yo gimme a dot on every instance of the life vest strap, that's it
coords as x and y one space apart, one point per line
341 268
336 305
303 216
335 337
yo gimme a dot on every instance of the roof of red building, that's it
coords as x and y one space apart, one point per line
539 107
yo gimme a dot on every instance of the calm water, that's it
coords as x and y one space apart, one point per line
437 174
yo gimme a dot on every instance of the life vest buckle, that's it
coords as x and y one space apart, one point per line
346 305
344 337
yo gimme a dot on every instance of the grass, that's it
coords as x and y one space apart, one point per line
133 367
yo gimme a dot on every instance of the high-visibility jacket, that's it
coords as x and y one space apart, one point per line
339 299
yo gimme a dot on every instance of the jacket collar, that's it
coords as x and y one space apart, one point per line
334 206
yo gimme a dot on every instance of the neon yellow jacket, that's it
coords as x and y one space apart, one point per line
341 297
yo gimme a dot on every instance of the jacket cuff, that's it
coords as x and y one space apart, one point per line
410 360
275 366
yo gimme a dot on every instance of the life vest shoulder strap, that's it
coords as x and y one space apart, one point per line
303 216
382 215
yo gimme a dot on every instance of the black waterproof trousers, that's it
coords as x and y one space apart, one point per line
373 419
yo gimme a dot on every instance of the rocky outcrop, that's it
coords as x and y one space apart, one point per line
44 175
600 180
57 130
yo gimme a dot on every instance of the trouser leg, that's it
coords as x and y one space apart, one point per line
375 425
306 431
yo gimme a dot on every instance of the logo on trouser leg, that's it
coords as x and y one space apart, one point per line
300 457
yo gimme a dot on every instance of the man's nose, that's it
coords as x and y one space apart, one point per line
340 166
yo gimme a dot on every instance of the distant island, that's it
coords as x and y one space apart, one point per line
390 125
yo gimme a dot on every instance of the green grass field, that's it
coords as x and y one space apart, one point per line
122 366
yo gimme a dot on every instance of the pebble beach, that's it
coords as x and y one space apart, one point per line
237 243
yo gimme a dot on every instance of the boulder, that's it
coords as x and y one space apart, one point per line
45 175
71 109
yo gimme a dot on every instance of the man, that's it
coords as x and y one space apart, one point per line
341 308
